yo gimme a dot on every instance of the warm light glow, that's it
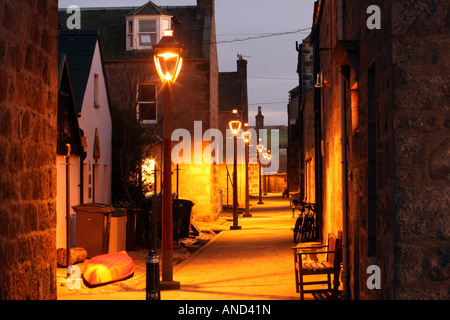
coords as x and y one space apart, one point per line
166 61
167 57
148 178
246 135
168 33
235 111
235 126
260 147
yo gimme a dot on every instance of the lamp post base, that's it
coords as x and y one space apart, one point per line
235 227
260 202
169 285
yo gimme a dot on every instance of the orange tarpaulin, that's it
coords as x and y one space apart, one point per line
109 267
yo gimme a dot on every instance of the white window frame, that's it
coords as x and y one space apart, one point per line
152 121
96 91
162 22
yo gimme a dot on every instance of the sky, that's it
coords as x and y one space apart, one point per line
272 57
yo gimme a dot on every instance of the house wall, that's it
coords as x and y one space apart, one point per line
293 148
28 113
97 118
309 148
74 198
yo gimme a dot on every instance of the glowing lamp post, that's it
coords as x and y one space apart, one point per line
168 61
246 136
235 126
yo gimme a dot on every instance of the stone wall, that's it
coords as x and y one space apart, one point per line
28 112
402 74
421 38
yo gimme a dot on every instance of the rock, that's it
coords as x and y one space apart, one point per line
77 255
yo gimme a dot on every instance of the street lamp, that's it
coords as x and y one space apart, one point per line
266 156
246 136
167 55
235 126
260 148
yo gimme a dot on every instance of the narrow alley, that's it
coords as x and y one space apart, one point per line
252 263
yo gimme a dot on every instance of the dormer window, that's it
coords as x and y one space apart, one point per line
145 31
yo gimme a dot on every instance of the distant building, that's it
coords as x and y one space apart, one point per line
293 147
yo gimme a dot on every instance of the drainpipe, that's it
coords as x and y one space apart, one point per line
344 163
67 156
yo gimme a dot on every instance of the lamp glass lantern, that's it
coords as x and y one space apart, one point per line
167 56
246 136
260 148
235 123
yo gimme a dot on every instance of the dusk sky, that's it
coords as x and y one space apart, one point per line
272 58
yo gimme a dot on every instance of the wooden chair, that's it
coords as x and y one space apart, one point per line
328 267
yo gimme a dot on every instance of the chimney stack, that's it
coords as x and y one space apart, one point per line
205 7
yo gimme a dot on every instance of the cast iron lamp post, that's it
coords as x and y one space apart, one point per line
260 148
235 126
168 59
247 135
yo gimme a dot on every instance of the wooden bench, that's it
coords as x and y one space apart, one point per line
330 266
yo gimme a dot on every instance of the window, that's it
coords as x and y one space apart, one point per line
146 106
96 102
147 33
130 33
144 31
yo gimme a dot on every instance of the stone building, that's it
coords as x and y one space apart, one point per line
126 37
293 147
233 95
28 118
381 123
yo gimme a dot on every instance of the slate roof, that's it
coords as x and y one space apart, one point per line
148 9
66 112
79 47
111 23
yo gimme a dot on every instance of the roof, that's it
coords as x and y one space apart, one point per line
68 128
148 9
79 47
111 23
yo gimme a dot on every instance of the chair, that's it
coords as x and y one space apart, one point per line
328 267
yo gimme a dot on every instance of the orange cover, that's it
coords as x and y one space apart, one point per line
109 267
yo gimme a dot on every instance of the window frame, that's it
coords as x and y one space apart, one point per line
133 35
138 103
